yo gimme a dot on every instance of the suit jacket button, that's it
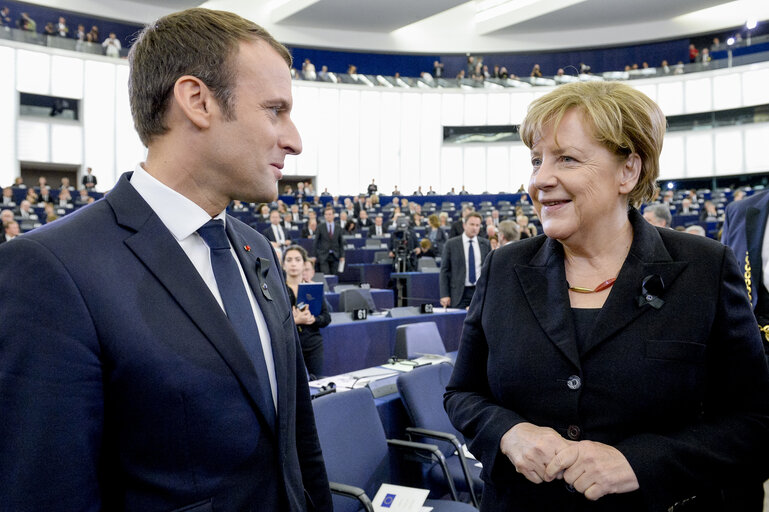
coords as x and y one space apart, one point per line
573 431
574 382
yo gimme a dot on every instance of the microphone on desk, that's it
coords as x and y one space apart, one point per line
324 390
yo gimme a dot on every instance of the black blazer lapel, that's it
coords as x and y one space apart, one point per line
157 249
647 256
267 284
551 308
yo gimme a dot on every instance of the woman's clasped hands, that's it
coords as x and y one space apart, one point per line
542 455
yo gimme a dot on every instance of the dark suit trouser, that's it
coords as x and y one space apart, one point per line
467 296
330 265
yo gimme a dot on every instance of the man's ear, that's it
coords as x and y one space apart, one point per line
195 100
630 173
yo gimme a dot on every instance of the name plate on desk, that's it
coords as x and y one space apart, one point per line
425 308
359 314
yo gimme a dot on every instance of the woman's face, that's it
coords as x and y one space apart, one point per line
577 186
293 263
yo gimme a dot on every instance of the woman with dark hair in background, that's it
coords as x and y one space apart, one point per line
308 326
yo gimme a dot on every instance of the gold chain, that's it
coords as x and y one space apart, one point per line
748 280
748 284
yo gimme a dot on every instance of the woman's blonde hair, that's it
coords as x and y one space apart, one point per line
621 118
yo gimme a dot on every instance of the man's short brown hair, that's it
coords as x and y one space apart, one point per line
198 42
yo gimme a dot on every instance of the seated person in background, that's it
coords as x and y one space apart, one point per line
50 213
19 182
658 215
83 197
10 231
25 211
308 231
709 211
378 228
427 249
350 227
435 234
65 184
508 232
527 230
494 242
263 212
44 196
8 197
431 192
288 223
32 196
686 207
307 325
275 232
65 198
295 215
417 221
6 216
364 223
463 192
395 191
443 217
237 206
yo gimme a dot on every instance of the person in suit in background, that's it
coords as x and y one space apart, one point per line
167 373
378 229
329 244
508 232
745 232
458 227
372 188
359 206
10 231
461 262
275 231
309 229
364 223
611 364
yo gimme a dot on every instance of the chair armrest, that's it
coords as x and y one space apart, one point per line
434 452
353 492
445 436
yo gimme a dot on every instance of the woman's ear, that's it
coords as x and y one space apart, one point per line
630 173
194 100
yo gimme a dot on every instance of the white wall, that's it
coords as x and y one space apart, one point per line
352 134
103 138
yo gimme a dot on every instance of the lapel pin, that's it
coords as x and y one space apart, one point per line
247 248
651 287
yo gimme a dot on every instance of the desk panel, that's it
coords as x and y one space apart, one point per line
418 288
384 299
350 346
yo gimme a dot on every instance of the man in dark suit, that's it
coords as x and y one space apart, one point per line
378 229
359 206
329 244
458 227
744 231
89 180
364 223
160 368
461 264
309 229
275 232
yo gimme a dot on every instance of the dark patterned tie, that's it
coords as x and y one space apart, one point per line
471 263
238 307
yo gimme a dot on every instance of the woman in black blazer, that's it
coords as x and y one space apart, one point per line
609 365
307 325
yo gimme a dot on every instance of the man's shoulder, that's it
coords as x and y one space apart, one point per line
758 200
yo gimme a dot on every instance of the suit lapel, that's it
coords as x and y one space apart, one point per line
157 249
544 286
647 257
266 281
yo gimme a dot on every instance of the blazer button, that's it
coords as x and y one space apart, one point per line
574 382
573 432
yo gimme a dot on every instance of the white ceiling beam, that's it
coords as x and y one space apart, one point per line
514 12
280 10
